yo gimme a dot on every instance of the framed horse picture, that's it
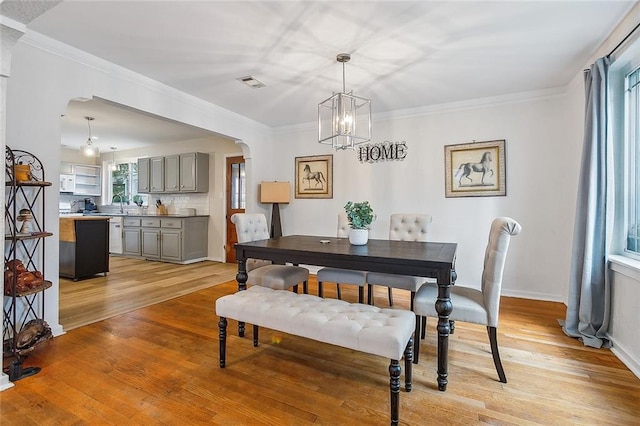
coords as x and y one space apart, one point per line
475 169
314 176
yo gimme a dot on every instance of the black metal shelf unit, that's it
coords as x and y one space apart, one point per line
24 327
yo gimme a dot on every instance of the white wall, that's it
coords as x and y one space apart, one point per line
539 195
46 75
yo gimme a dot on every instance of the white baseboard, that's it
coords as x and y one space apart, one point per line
4 382
626 357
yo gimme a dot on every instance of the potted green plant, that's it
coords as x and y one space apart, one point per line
360 216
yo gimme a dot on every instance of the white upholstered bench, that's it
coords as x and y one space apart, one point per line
365 328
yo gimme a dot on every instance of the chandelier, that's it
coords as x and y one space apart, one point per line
344 120
89 149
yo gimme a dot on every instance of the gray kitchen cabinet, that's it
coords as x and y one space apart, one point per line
156 174
131 245
150 237
150 243
143 175
171 245
168 239
174 174
194 172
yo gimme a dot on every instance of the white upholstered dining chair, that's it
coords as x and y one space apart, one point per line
253 227
477 306
342 276
403 227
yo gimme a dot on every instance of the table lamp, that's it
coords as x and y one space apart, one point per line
275 192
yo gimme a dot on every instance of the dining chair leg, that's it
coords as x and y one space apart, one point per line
305 287
295 288
423 335
493 339
360 294
452 327
370 294
320 289
390 297
338 291
416 341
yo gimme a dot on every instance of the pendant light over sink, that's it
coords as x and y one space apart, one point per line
89 149
112 165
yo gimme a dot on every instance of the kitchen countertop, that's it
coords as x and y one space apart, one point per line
67 226
143 215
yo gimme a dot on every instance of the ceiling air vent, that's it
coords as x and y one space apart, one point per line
252 82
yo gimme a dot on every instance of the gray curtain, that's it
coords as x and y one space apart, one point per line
588 305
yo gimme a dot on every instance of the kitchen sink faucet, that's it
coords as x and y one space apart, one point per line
119 195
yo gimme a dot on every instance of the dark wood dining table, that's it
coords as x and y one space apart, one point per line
422 259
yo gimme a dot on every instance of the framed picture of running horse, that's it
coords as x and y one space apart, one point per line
314 176
475 169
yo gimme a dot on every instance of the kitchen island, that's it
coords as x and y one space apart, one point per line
84 246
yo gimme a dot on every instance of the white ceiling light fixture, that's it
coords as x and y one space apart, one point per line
344 120
89 149
113 166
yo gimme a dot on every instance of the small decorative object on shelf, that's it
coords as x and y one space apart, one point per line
24 284
360 216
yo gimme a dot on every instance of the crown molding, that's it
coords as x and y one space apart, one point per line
488 102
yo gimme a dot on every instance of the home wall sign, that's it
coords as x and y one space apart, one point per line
385 151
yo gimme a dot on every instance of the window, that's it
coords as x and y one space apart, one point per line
238 185
632 137
123 185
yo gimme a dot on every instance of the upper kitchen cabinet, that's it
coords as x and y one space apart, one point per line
177 173
86 179
150 175
156 174
143 175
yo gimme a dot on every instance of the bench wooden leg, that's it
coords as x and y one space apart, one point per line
255 336
394 386
222 333
408 357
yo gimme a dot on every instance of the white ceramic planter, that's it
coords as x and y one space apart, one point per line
358 237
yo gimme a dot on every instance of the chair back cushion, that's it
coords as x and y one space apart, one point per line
502 229
250 227
343 225
409 227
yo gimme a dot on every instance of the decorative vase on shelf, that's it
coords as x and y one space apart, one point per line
358 237
360 216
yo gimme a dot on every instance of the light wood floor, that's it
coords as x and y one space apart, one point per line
159 365
132 284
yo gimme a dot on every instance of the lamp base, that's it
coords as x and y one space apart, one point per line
276 226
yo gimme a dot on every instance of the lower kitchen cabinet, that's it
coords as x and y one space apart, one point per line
131 245
166 239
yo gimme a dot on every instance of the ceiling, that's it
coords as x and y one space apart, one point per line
405 54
